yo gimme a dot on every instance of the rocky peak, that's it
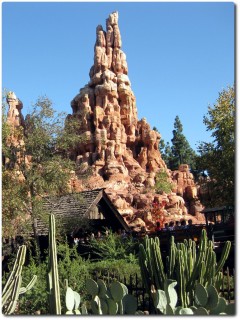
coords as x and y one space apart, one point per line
116 143
14 115
121 150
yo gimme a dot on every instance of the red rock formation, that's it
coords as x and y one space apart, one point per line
116 143
15 139
122 150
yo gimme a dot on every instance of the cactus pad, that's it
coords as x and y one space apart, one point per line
117 291
92 287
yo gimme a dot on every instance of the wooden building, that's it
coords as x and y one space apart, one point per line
72 211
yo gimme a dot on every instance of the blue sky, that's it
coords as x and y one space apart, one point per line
180 55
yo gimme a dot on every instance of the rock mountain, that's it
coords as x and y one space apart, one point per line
121 150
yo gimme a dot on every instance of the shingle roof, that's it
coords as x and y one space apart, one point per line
76 206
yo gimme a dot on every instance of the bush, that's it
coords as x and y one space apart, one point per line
37 298
162 183
118 269
113 247
73 267
70 266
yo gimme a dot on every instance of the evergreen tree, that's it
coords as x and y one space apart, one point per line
181 152
167 155
165 150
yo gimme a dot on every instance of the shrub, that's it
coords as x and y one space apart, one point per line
37 298
113 247
118 269
162 183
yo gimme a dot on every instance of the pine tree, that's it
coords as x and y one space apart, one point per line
181 151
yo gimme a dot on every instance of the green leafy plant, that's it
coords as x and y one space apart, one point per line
113 247
162 182
36 300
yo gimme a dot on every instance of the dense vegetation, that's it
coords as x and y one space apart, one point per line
46 140
196 273
218 157
213 165
180 151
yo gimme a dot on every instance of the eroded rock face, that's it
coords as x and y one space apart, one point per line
122 150
15 139
14 115
117 143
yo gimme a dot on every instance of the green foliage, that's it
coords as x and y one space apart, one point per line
113 247
44 168
218 157
36 299
70 266
73 267
115 269
162 183
166 153
180 152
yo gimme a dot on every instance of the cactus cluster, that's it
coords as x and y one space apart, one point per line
53 279
185 263
110 301
73 301
12 288
206 301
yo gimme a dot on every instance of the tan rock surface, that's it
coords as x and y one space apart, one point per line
122 150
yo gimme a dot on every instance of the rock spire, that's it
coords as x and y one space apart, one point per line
121 150
116 142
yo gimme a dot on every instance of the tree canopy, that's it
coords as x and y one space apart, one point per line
217 158
34 165
180 151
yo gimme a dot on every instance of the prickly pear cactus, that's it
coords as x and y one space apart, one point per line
207 301
73 300
110 301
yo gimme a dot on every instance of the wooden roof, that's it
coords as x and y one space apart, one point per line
77 206
216 209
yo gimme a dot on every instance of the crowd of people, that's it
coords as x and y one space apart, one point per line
171 226
87 237
99 235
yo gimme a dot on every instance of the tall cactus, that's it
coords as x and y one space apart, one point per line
12 288
53 279
184 263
